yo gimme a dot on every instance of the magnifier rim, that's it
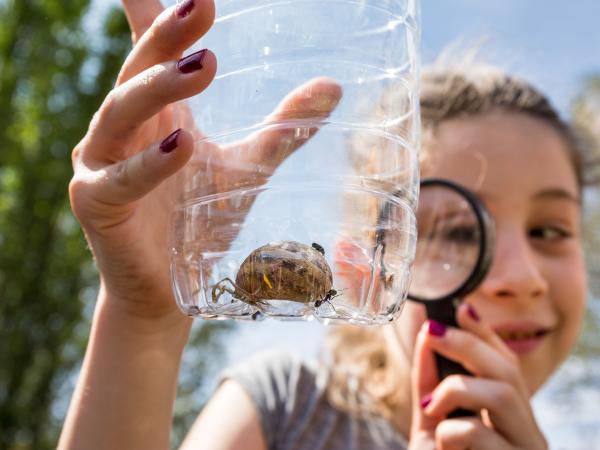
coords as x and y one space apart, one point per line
482 264
486 239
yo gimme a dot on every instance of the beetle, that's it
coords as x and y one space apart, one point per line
285 270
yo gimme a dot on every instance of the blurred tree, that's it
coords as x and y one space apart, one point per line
52 79
586 116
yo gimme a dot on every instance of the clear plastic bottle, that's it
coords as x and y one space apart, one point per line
308 132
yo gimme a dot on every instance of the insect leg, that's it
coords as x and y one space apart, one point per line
220 288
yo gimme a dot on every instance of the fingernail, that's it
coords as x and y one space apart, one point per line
185 8
426 401
436 328
472 313
170 143
192 62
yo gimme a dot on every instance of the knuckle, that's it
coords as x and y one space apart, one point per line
76 155
107 108
449 436
77 196
122 176
145 170
135 173
451 386
160 40
504 394
473 431
146 162
95 121
157 77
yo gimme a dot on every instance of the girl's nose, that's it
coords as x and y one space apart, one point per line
516 269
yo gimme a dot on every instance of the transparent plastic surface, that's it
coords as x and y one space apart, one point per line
308 129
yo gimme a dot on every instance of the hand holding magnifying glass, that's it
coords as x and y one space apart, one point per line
453 255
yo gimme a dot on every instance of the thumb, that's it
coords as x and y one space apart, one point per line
424 379
312 102
133 178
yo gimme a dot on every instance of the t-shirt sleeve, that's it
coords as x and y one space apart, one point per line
271 379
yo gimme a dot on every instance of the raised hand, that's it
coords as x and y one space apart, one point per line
497 391
118 191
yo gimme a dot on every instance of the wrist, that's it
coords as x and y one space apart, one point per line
142 318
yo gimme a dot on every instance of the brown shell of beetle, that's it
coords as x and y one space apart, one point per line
285 270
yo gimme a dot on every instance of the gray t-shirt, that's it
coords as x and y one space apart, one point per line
294 411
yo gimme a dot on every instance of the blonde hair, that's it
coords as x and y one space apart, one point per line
365 377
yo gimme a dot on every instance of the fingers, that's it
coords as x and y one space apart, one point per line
140 15
315 99
131 179
468 433
169 35
508 411
128 106
468 319
424 380
312 102
497 388
476 354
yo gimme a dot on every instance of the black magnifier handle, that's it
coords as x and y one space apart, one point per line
444 312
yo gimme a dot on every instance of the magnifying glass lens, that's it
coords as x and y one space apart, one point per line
448 244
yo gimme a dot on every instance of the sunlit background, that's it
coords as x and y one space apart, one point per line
59 59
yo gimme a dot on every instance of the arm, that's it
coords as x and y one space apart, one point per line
125 394
229 421
116 404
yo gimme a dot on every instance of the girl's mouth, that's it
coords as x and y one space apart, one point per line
523 341
520 335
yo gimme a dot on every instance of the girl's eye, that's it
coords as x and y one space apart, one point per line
549 233
462 235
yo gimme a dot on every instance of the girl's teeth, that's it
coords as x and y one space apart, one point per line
519 335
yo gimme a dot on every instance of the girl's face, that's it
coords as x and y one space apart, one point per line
534 294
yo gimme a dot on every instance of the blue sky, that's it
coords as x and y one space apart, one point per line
552 43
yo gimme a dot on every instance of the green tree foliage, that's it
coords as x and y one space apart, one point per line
53 76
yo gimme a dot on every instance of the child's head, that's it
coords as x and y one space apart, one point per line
499 137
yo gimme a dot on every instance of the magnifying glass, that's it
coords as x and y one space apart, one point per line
453 254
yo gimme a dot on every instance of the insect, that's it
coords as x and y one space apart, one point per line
318 248
286 270
331 294
328 297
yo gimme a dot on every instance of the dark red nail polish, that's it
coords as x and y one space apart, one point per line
170 143
192 62
472 313
436 328
426 401
185 8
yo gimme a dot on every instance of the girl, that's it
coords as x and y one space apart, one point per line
485 130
